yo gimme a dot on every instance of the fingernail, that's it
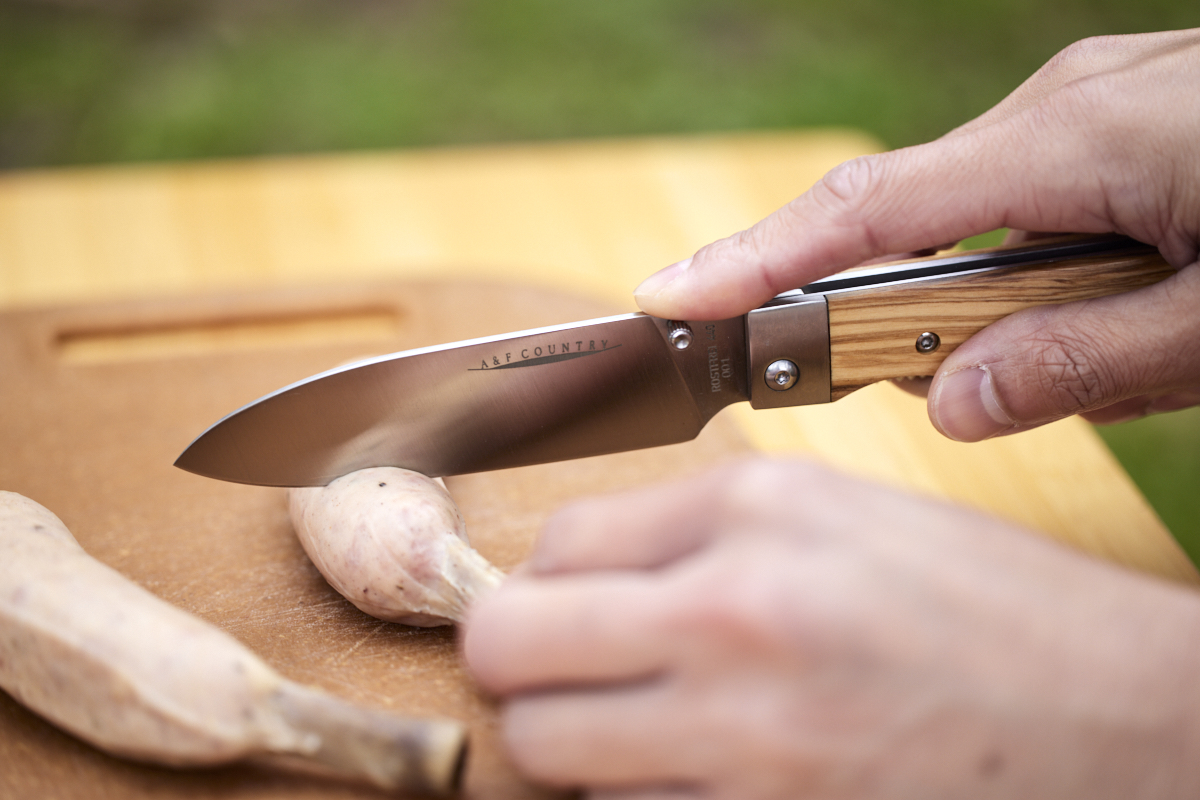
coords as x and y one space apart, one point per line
661 279
964 406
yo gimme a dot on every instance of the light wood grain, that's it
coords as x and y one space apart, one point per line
873 331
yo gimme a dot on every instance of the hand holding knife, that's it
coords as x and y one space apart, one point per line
690 639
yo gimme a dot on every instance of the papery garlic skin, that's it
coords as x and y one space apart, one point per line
394 544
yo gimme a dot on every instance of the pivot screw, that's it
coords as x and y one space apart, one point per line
928 342
679 334
782 375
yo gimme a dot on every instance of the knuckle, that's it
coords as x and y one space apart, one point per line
1080 52
738 592
855 197
729 604
755 486
844 190
850 179
768 599
1085 57
1095 92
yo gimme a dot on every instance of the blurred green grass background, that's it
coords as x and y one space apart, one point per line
101 81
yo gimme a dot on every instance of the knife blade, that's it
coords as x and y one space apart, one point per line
634 381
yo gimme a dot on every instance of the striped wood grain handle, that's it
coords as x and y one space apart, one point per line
873 331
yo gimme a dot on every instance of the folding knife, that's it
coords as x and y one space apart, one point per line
634 381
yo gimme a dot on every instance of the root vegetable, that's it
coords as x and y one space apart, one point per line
394 544
107 660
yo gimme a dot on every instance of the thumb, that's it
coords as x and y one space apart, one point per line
1046 363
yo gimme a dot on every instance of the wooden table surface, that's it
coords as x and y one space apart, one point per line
592 218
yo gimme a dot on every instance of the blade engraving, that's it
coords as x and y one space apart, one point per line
538 358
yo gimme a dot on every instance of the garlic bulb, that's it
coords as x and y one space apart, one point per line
394 544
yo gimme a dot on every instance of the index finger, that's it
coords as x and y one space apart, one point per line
897 202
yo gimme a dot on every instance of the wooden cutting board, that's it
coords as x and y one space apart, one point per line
97 401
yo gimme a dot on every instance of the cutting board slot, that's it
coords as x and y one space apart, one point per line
165 339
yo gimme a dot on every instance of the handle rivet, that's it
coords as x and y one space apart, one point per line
928 342
679 334
782 375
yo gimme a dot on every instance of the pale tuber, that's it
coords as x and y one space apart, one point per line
107 660
394 544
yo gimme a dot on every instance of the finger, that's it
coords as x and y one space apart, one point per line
653 527
1047 363
629 738
539 633
896 202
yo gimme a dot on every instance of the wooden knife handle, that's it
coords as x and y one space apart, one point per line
874 331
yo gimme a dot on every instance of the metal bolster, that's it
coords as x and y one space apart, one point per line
797 332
